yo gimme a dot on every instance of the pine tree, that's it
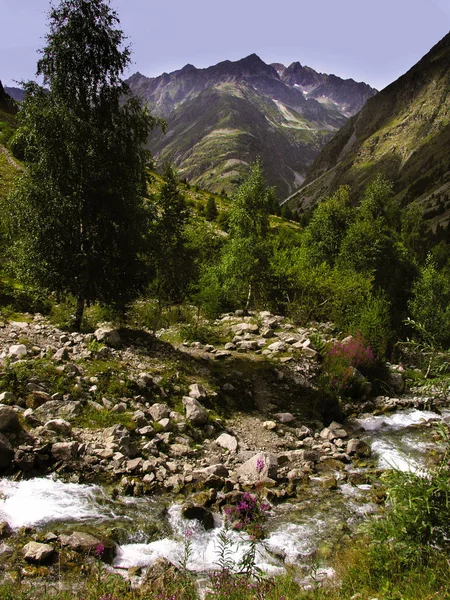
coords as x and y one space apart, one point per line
76 218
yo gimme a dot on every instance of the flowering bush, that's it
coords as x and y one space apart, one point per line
341 362
249 514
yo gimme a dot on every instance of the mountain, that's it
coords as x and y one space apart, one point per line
404 133
223 117
17 94
7 105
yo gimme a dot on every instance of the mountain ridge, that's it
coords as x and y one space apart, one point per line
404 133
223 117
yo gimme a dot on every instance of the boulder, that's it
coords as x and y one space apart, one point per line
108 336
59 426
6 453
5 530
227 441
195 412
159 411
86 543
358 447
218 470
7 398
35 552
396 382
197 391
37 398
285 418
200 513
9 421
17 351
65 451
277 347
260 466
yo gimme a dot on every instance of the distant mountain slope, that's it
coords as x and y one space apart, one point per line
221 118
402 132
6 103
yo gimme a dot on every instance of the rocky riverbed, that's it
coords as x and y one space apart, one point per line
114 440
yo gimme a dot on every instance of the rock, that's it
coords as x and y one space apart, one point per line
277 347
267 333
65 451
228 442
9 421
7 398
5 530
89 544
245 328
37 398
221 355
358 447
197 391
195 412
218 470
17 351
35 552
179 450
270 425
159 411
260 466
109 336
24 461
59 426
159 577
284 418
200 513
396 381
248 345
61 355
55 409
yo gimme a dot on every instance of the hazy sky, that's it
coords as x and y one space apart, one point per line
374 41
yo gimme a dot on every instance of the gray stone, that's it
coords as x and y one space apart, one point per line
35 552
260 466
277 347
227 441
65 451
284 418
248 345
195 412
270 425
7 398
9 421
397 382
6 453
17 351
109 336
197 391
358 447
61 354
245 327
218 470
159 411
59 426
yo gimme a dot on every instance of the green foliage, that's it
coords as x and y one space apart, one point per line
245 259
211 211
329 223
429 304
170 259
76 218
373 321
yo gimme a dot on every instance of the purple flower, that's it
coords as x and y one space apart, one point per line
188 533
259 465
100 548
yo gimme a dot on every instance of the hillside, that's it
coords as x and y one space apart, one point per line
8 166
404 133
221 118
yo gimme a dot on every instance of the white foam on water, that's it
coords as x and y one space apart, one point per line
293 540
39 501
391 457
204 545
396 421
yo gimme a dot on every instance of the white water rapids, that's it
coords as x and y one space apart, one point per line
295 530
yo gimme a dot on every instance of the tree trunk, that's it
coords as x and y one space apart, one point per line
79 314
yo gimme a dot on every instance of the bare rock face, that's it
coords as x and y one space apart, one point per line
35 552
197 391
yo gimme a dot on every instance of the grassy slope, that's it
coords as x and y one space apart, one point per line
403 132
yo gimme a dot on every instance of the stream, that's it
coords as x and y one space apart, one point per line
297 532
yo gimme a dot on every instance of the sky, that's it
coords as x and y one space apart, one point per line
366 40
